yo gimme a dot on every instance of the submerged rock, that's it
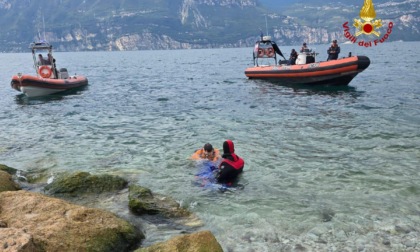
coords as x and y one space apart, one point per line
56 225
84 182
143 201
203 241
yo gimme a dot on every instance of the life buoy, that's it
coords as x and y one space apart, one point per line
45 71
260 52
269 52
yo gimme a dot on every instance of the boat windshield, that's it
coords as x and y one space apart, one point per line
41 54
42 57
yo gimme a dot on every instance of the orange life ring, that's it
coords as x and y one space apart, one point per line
260 52
45 71
269 52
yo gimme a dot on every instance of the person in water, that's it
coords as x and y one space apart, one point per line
333 51
207 152
231 165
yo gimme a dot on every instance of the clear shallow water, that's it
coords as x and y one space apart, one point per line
326 168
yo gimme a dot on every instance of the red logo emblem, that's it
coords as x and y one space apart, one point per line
367 25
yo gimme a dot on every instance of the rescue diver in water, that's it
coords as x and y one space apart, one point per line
231 166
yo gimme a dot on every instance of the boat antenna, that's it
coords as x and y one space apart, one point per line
43 24
266 25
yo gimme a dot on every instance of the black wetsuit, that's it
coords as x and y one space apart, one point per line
231 166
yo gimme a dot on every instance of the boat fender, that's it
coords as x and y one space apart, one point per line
260 52
269 52
45 71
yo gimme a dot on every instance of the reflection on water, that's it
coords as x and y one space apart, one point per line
22 99
308 90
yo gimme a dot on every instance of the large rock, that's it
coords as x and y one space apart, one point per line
143 201
84 182
7 183
203 241
16 240
56 225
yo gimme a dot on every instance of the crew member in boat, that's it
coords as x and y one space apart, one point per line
41 60
51 61
304 48
231 165
207 152
333 51
293 57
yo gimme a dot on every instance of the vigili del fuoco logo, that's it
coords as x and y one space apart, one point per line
368 29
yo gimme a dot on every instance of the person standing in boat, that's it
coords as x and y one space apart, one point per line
293 57
51 61
231 166
41 60
304 48
333 51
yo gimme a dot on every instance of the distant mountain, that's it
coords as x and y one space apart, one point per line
80 25
284 4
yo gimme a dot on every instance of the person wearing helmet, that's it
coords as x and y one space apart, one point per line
333 51
231 165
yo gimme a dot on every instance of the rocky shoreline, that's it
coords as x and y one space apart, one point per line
69 213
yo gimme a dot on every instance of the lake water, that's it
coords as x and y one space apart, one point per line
332 169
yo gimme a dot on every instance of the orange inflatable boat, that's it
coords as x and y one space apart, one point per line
306 70
48 79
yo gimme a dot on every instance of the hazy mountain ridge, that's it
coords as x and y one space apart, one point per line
75 25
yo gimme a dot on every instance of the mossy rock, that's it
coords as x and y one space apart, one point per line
8 169
57 225
7 183
142 201
37 175
34 176
84 182
203 241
